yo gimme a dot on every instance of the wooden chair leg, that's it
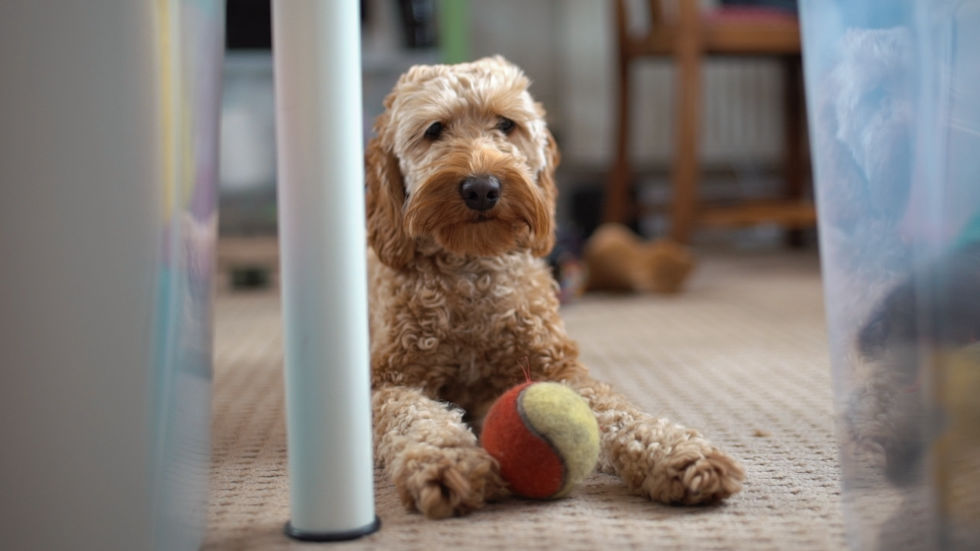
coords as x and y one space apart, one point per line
793 128
686 172
617 207
617 200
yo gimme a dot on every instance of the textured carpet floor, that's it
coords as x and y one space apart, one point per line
741 356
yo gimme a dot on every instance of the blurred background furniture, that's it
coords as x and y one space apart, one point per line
682 31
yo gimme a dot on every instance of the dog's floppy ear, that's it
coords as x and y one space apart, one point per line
385 199
544 240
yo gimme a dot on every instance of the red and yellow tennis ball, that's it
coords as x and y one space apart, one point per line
545 437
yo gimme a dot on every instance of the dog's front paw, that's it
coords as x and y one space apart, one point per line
693 472
444 481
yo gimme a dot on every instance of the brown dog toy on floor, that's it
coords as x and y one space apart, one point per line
618 260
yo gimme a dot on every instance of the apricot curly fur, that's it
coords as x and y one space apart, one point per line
461 300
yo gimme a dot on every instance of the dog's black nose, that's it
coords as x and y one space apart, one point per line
480 192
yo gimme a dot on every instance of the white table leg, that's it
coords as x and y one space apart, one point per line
324 284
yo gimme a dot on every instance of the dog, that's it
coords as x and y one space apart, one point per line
460 211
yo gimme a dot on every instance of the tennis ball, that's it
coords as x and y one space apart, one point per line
545 437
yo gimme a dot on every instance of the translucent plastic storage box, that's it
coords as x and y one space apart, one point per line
893 93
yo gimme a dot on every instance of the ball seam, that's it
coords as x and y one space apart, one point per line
534 431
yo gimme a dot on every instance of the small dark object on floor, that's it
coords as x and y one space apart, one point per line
249 278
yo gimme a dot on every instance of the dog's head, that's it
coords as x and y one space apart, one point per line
462 159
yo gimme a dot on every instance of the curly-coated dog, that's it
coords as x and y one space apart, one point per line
460 210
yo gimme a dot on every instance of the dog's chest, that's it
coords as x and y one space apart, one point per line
487 306
483 304
457 327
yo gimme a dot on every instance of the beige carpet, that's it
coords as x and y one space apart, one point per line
741 355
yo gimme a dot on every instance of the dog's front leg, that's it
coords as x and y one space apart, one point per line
663 460
431 455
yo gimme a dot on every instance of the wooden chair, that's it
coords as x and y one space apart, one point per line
688 35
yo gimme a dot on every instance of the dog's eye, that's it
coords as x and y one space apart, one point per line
433 131
506 125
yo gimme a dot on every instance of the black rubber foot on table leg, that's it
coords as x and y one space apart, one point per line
303 535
